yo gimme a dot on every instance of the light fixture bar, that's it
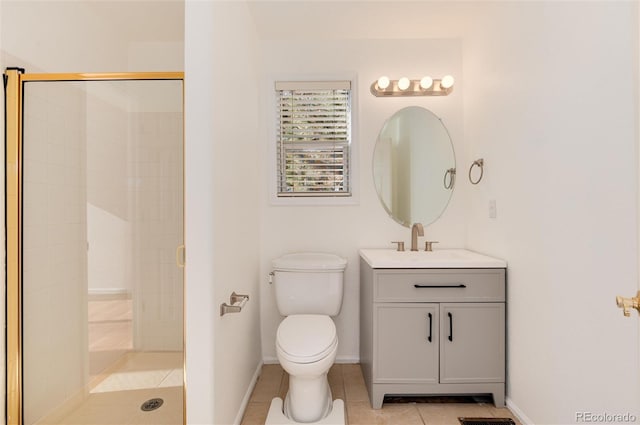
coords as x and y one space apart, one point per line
438 87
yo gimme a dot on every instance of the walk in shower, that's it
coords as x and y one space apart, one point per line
94 207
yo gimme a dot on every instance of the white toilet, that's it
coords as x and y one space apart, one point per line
308 290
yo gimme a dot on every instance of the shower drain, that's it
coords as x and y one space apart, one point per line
151 404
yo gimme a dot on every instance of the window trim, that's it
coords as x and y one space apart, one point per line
271 148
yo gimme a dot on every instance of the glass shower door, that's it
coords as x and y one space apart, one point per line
102 293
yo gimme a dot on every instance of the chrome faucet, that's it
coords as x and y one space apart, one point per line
416 230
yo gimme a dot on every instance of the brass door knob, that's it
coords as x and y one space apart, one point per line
627 303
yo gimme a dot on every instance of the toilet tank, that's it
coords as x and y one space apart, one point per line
309 283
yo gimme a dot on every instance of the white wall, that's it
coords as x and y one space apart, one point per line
345 229
92 36
222 216
200 311
551 104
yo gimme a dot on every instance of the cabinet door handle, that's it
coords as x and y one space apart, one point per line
450 326
429 338
461 285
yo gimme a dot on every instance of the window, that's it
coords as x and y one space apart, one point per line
313 138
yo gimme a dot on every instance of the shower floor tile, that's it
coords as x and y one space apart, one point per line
137 378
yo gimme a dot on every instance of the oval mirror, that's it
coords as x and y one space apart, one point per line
414 166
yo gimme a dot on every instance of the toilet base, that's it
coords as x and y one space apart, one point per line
276 414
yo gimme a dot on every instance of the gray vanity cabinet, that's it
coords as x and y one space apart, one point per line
432 332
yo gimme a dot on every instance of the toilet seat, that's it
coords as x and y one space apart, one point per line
306 338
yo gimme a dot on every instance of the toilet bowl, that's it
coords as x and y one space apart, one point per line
306 346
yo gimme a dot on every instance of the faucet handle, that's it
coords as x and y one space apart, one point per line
400 245
428 245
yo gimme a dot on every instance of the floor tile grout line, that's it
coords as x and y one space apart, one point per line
422 418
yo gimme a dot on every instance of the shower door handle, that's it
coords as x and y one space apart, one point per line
180 256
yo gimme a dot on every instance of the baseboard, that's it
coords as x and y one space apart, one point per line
247 396
270 360
517 412
339 359
347 359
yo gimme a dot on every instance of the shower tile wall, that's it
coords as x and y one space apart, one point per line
156 193
109 229
55 265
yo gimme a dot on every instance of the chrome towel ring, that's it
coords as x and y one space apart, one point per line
451 172
480 164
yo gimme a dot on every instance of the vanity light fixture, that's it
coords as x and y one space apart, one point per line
383 82
426 86
403 83
426 82
446 82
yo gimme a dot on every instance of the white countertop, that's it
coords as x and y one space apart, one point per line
436 259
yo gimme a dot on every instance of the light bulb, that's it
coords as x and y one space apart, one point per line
446 82
403 83
383 82
426 82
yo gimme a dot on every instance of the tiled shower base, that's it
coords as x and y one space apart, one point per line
117 398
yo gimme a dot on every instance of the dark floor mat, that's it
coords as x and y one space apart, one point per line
486 421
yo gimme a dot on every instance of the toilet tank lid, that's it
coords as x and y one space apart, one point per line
310 261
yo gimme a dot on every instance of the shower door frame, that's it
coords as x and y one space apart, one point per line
14 80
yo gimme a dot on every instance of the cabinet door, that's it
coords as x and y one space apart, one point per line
472 342
406 343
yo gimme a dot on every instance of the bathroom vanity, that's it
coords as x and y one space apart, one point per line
432 323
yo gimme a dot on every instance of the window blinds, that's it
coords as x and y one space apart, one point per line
313 138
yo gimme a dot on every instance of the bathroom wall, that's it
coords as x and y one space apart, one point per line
93 36
223 153
551 94
346 228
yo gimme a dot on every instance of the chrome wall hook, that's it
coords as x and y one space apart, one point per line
480 164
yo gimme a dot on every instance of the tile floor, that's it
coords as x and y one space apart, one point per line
347 383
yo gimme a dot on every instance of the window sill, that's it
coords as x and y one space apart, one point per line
293 201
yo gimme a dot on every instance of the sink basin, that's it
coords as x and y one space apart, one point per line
437 259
